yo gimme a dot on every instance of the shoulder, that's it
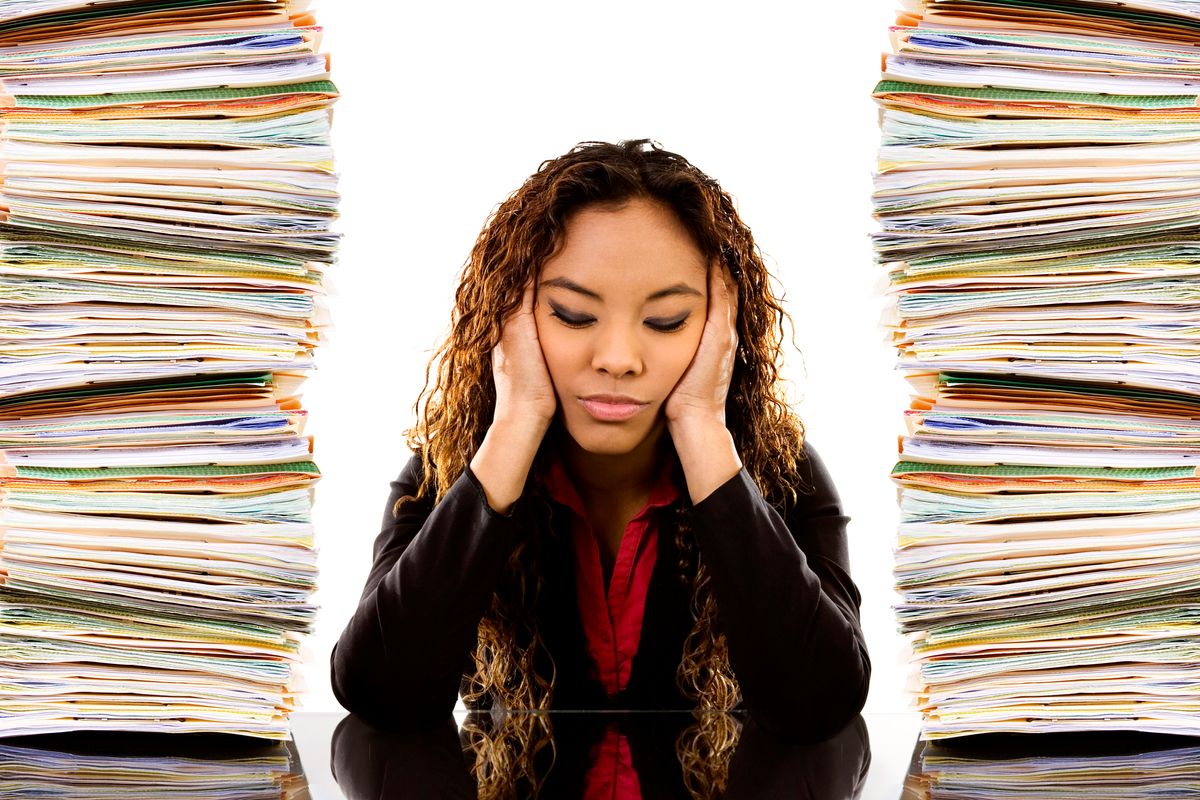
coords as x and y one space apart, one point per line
818 521
413 471
816 490
811 493
405 487
813 516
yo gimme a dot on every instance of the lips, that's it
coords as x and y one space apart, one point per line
611 408
616 399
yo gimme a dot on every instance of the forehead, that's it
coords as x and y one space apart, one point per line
637 243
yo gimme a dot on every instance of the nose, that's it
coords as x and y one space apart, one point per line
618 350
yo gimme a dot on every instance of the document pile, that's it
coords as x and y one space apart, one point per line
1038 192
165 223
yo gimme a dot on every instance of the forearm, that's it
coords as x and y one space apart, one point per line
707 454
504 458
799 655
400 656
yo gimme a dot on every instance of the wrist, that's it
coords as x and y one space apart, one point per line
519 430
707 454
697 427
502 462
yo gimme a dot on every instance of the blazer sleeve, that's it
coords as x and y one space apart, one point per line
787 603
399 661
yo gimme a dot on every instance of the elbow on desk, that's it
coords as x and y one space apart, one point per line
397 706
813 713
348 691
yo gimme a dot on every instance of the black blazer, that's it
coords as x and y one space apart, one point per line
781 580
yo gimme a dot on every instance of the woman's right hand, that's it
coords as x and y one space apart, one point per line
524 390
525 405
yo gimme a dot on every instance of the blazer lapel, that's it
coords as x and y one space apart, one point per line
560 623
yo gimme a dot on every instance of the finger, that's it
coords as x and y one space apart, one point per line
515 312
721 287
732 287
714 288
525 306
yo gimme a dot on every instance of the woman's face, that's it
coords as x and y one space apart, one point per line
620 310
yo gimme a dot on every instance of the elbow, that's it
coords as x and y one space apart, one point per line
364 679
858 678
813 713
861 685
345 688
397 706
846 695
356 690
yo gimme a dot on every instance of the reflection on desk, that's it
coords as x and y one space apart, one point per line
621 755
118 765
1101 765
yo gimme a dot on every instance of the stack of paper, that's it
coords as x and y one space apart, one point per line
1038 191
165 224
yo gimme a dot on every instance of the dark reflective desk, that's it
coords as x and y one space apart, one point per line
334 756
617 756
1092 766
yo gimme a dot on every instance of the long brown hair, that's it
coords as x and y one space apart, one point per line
516 240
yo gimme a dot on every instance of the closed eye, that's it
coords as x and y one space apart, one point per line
583 322
668 327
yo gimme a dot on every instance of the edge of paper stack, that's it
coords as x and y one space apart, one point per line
1038 196
165 223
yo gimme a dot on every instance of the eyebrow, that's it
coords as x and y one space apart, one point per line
567 283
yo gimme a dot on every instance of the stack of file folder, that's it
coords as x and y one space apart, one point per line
166 209
1037 191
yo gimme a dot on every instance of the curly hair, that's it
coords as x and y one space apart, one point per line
518 237
704 749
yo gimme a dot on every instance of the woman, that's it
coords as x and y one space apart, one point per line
602 508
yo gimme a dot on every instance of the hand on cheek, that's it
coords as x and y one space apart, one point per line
701 392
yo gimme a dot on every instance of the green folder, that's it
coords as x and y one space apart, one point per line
172 96
1035 96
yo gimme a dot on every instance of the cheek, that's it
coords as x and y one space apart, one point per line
684 353
554 348
673 363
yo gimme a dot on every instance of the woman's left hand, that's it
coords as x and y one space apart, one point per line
701 393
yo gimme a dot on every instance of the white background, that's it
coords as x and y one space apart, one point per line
446 108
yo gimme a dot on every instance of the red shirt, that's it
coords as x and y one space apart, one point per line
610 774
612 620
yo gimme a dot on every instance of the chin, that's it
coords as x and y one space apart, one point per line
607 444
609 438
